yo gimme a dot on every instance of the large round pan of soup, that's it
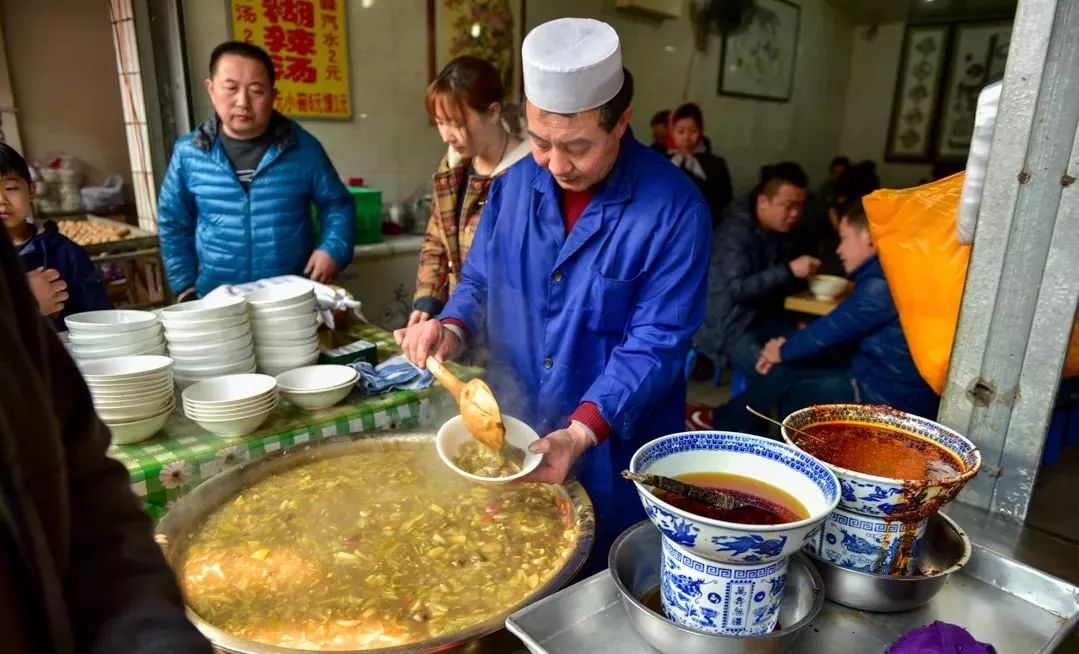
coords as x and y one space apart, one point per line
367 543
889 463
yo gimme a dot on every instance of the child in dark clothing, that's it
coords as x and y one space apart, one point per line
63 280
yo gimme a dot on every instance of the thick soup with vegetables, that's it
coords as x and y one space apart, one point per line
372 550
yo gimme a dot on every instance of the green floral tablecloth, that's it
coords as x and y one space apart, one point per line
169 465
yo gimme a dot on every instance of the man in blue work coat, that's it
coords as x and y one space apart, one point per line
586 279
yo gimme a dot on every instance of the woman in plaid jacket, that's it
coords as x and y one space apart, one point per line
465 104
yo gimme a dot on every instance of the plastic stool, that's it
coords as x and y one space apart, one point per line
690 358
738 384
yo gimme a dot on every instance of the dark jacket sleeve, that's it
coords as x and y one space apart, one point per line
721 181
84 287
119 592
732 267
867 309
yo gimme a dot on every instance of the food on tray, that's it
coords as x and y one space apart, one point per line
477 459
372 550
880 451
85 232
761 503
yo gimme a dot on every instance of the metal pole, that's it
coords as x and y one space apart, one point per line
1022 285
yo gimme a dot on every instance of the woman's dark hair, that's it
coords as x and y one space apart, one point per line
12 162
242 49
688 110
775 175
466 81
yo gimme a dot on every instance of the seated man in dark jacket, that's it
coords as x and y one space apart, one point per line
753 269
881 370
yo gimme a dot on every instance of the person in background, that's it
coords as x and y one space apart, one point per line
817 233
61 276
836 168
881 370
753 269
79 569
708 171
660 125
465 102
235 205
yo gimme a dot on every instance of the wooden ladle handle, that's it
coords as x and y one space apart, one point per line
445 377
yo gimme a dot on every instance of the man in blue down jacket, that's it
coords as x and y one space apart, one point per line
235 205
586 279
881 370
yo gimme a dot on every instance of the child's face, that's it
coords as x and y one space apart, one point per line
855 246
14 200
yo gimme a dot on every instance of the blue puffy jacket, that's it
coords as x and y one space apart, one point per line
882 365
214 232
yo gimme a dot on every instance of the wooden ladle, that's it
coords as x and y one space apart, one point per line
479 409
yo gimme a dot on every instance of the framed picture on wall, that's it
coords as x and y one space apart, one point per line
979 52
758 61
917 89
489 29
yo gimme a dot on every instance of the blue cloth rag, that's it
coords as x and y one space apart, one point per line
394 374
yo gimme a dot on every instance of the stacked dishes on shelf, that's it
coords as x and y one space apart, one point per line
96 335
285 323
208 338
133 395
233 405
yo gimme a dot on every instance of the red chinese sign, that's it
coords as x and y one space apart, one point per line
308 42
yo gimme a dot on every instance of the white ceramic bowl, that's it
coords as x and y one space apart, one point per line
234 427
282 295
208 337
132 393
108 339
453 434
301 308
183 350
134 411
207 309
287 323
192 361
173 327
126 369
120 347
131 399
317 387
238 410
286 350
222 391
112 321
827 287
214 367
287 336
126 433
808 480
277 366
157 349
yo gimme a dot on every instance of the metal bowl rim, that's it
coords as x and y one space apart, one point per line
573 491
955 567
814 575
963 478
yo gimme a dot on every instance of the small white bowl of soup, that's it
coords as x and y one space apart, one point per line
473 460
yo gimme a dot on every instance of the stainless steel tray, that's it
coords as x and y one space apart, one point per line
999 600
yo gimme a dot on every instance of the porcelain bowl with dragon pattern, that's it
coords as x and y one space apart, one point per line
767 461
892 498
878 546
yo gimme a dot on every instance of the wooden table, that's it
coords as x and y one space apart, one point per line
804 302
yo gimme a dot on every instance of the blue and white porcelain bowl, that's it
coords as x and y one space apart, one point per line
734 600
880 496
761 459
878 546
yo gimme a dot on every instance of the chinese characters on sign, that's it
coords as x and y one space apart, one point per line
308 42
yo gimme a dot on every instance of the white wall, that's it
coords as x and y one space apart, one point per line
63 72
874 66
396 150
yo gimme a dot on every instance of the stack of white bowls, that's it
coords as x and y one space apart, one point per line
133 395
105 334
285 323
317 387
233 405
208 338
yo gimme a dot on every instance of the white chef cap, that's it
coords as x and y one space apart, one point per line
572 65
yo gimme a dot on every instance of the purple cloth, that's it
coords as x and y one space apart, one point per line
939 638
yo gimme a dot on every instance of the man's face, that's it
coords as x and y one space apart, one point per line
659 132
781 212
15 196
855 246
576 150
242 96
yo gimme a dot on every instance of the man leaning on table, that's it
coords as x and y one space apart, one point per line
586 278
236 202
